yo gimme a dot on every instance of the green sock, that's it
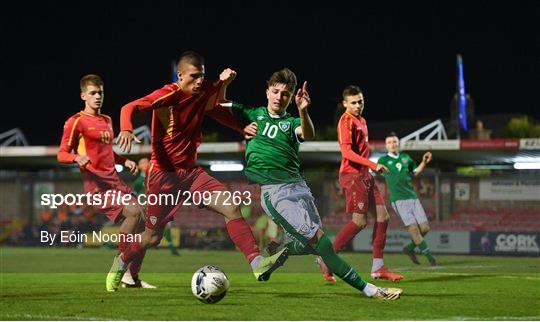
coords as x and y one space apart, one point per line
297 248
425 250
337 265
410 246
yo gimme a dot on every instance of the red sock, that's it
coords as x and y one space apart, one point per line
132 251
243 238
136 263
345 235
379 238
122 245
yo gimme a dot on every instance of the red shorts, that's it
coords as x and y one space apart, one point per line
161 182
111 200
360 192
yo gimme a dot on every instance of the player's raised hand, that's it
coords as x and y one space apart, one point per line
302 98
427 157
227 76
250 131
82 160
124 140
132 166
381 168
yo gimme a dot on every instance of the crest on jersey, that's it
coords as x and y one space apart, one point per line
284 126
153 220
404 160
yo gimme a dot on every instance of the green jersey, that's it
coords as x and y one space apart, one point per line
399 177
272 155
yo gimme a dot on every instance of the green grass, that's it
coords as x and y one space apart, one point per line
69 284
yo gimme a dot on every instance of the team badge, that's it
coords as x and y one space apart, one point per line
284 126
404 160
153 220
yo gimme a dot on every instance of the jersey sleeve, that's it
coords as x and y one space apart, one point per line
165 96
345 130
297 123
244 111
69 141
223 115
412 164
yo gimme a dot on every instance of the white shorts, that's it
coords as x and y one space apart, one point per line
292 206
410 211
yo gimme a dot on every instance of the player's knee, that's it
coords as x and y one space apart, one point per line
231 212
424 229
131 212
359 220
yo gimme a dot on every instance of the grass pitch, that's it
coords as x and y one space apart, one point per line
69 284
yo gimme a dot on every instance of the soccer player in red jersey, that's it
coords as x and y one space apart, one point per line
361 193
178 111
88 141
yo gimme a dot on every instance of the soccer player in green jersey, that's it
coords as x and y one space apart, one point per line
402 169
273 163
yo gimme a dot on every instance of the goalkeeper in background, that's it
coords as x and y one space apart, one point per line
402 169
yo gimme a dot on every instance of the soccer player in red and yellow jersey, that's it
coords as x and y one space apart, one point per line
361 193
88 141
178 111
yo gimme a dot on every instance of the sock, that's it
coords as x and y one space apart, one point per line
410 246
337 265
345 235
425 250
132 251
379 238
297 248
122 244
370 290
167 235
136 263
243 238
377 263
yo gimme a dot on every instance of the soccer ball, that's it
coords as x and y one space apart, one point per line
209 284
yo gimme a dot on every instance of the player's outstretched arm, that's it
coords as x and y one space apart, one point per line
303 102
426 158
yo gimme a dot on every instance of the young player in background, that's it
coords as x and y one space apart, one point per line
88 141
401 169
273 163
361 194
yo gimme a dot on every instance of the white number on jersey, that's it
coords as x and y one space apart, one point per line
398 166
270 130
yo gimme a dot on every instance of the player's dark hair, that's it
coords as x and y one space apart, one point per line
90 79
190 57
390 135
351 90
283 76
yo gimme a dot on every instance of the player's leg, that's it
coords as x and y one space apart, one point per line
131 277
423 224
168 237
378 269
404 210
292 207
239 230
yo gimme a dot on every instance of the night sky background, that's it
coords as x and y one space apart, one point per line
403 55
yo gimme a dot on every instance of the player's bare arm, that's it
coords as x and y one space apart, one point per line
426 158
307 131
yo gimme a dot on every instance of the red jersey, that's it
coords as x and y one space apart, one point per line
92 135
353 139
176 122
